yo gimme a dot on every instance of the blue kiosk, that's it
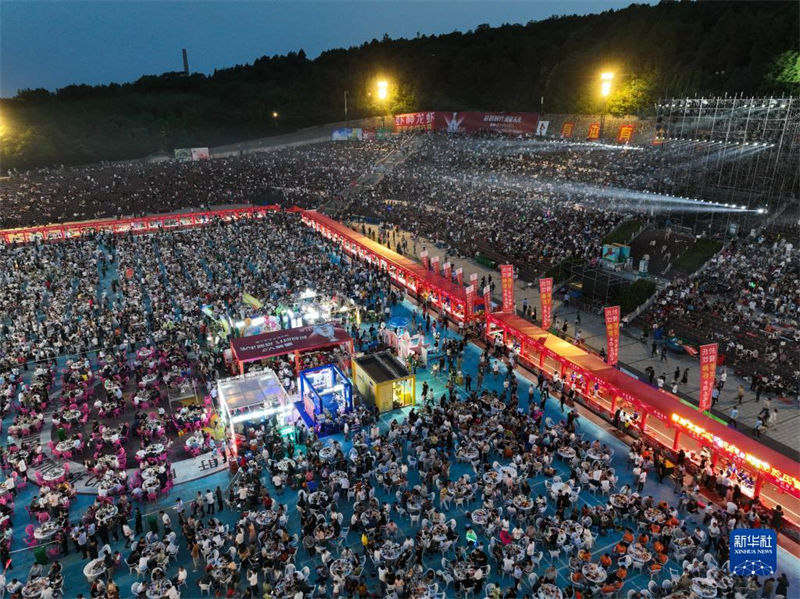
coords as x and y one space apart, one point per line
326 395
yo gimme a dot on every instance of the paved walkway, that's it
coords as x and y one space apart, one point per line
634 356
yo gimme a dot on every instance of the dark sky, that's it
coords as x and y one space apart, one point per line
53 44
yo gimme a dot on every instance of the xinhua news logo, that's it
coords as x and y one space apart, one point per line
754 552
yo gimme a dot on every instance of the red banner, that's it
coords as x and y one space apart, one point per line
487 300
594 131
460 276
447 270
510 123
546 300
708 372
567 129
469 306
625 133
435 264
287 341
507 282
612 335
425 260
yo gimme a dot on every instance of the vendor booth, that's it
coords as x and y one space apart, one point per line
654 415
295 343
252 398
326 395
384 381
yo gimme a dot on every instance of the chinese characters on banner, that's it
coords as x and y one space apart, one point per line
753 551
708 369
546 299
415 121
435 264
460 276
425 260
469 307
625 133
447 268
594 131
507 282
487 300
566 130
612 334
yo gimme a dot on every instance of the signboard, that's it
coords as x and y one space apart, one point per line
347 134
425 260
435 264
753 552
507 282
541 128
183 154
567 129
447 270
625 133
460 276
612 334
510 123
611 252
487 300
546 301
414 121
708 369
288 340
594 131
200 154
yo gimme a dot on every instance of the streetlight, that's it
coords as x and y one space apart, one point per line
274 114
605 89
383 95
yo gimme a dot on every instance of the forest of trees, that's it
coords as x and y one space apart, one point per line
671 49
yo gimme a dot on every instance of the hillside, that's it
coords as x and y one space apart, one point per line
670 49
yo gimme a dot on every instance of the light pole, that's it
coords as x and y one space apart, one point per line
345 104
605 89
383 95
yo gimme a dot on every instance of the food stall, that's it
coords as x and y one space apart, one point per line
326 394
252 398
759 470
384 381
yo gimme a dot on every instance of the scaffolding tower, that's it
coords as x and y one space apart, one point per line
744 152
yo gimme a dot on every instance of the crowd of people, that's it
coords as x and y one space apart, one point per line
306 176
746 299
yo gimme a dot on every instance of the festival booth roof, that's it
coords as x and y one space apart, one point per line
246 392
658 404
287 341
431 279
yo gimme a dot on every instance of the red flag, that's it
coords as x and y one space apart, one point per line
469 308
425 260
487 300
612 334
546 300
507 281
708 371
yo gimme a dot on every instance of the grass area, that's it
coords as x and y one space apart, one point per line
629 297
624 232
697 254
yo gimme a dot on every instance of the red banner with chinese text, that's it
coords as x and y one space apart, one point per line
594 131
567 129
546 300
415 121
625 133
460 276
708 372
425 260
435 264
507 282
447 270
469 306
487 300
612 334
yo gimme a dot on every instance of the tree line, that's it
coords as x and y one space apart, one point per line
670 49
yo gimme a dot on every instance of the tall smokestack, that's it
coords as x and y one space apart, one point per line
185 62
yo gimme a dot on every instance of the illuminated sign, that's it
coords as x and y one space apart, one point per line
783 480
